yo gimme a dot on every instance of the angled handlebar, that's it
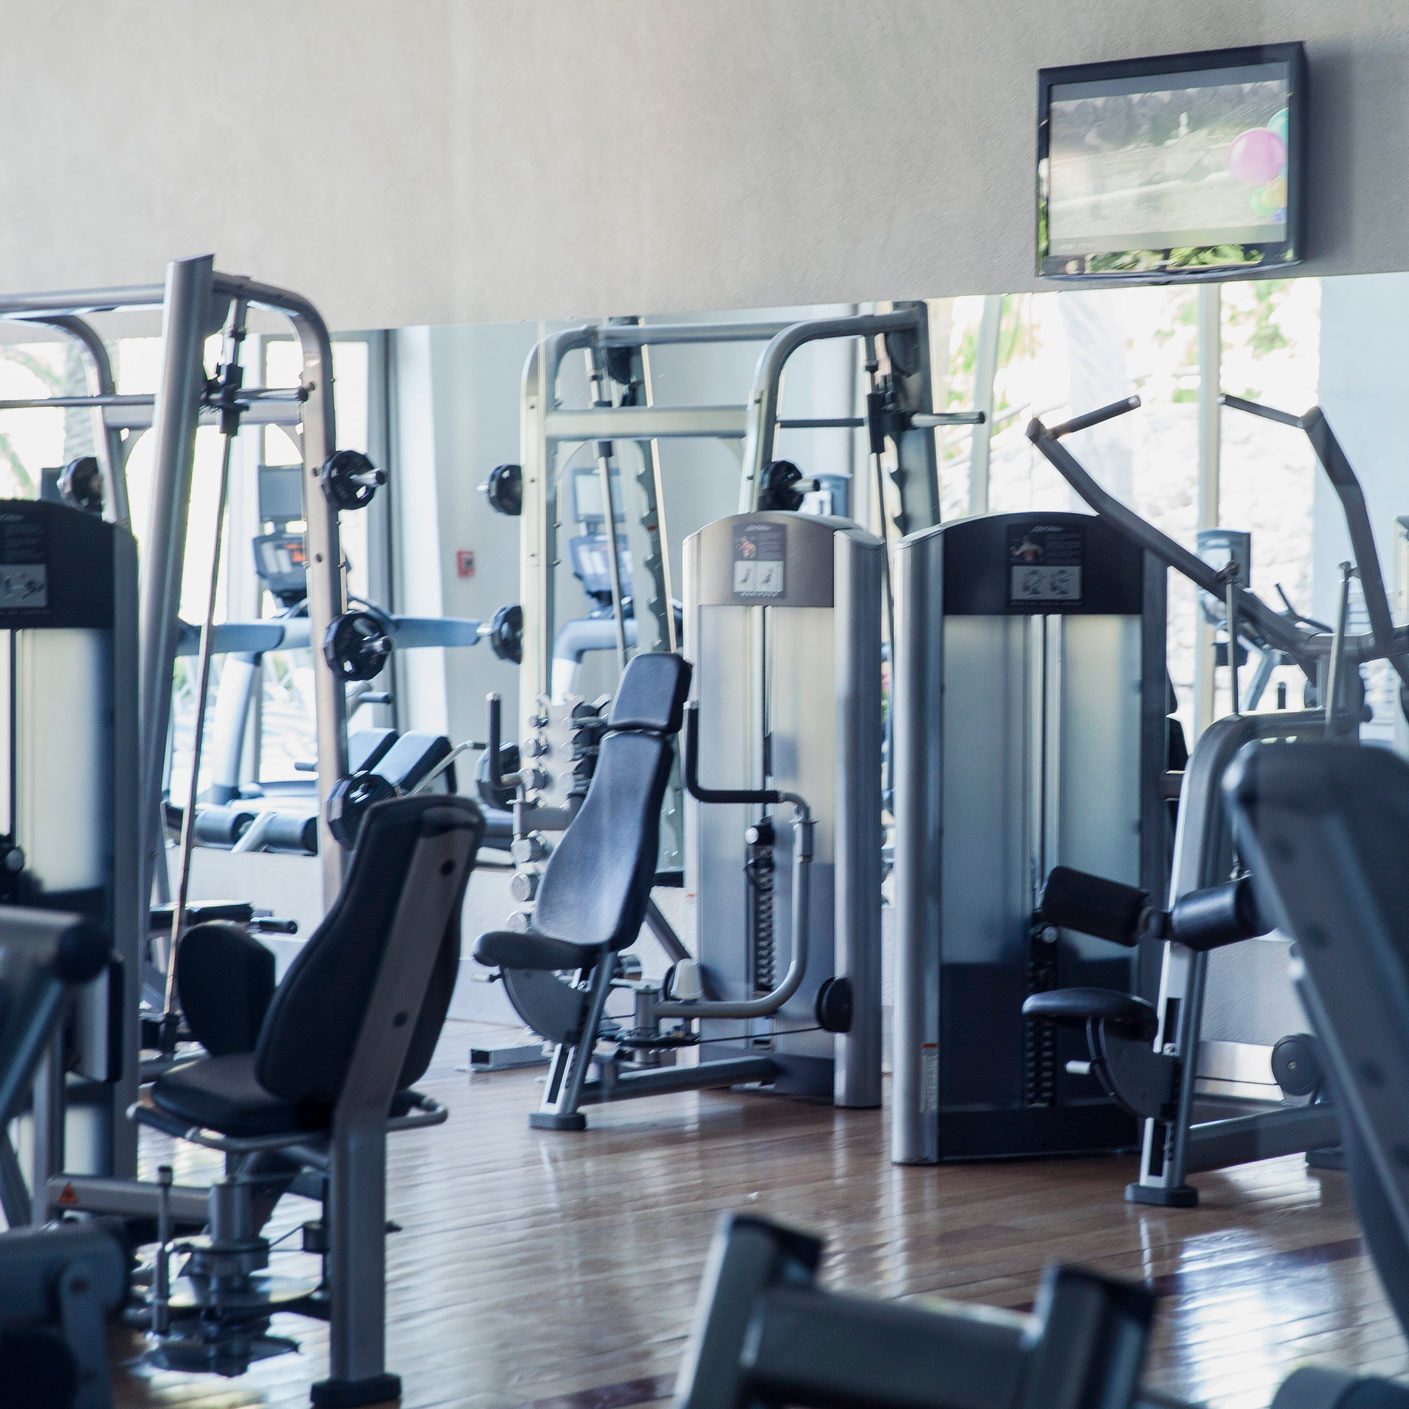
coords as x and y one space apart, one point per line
1333 460
1094 418
1266 624
1270 628
1256 408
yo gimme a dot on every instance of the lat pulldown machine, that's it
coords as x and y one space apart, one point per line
1151 1057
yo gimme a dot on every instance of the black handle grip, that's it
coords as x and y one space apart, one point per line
273 924
1256 408
700 793
1222 914
497 780
1077 900
1094 418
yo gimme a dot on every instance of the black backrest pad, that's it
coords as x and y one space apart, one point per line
225 983
1325 830
598 879
309 1035
652 694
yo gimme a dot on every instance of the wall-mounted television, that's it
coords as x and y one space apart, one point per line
1182 167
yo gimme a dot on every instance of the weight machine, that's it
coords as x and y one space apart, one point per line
196 302
783 833
1030 731
1161 1061
637 610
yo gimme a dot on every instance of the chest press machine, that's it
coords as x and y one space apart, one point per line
781 611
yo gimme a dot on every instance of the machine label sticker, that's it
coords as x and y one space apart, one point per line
1044 564
929 1078
760 550
24 573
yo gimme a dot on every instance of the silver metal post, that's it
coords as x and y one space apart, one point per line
596 375
1210 354
186 322
662 533
883 524
1331 703
234 340
327 593
161 1284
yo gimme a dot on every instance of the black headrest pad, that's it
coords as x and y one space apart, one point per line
652 694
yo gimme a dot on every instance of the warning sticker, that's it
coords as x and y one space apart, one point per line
760 552
1044 564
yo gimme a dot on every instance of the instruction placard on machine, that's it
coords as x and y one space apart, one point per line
760 552
1044 564
24 572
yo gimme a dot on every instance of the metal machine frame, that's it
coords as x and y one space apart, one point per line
1175 1142
787 680
193 302
1031 702
899 409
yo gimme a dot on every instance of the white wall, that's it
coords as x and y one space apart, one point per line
1364 373
456 399
470 160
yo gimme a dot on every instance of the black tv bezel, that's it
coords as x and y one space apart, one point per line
1285 254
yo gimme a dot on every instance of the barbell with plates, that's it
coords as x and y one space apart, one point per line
350 800
350 480
357 645
81 484
504 490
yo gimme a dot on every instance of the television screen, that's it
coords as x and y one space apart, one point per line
1181 167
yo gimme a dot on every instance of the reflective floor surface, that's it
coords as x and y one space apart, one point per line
559 1271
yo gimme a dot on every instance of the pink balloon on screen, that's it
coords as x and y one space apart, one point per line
1257 155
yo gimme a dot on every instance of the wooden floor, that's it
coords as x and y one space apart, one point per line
559 1271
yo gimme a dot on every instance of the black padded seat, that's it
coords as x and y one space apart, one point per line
223 1093
1124 1013
306 1043
521 949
